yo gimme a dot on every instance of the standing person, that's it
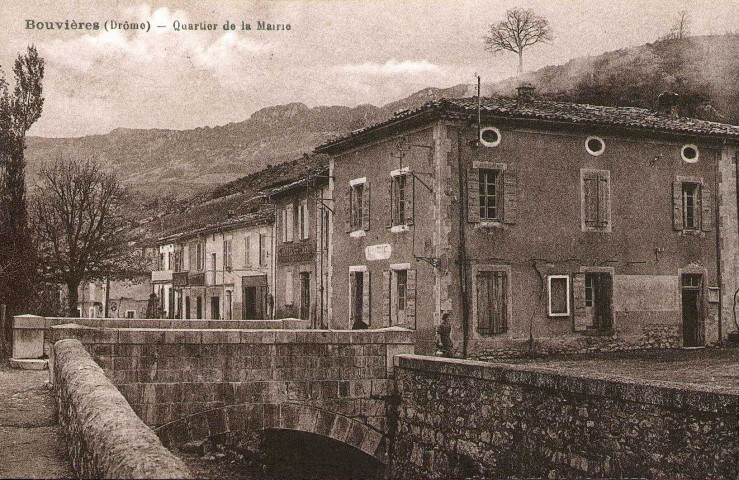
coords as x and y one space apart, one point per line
444 345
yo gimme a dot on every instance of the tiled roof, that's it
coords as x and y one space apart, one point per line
573 113
244 198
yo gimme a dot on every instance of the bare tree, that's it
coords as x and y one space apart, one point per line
680 27
81 226
522 28
19 110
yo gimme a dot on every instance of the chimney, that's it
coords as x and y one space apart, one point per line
667 103
525 94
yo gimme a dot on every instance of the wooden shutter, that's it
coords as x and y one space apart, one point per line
390 203
366 297
706 209
482 284
352 296
590 194
604 302
348 210
510 196
410 193
604 200
386 298
410 299
366 206
579 313
473 195
677 205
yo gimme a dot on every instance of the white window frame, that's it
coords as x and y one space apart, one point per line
549 295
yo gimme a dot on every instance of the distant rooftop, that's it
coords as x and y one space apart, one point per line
548 111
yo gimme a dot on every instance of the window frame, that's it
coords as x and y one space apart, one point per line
498 195
356 204
552 314
696 205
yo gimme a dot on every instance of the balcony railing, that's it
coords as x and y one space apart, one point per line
180 279
161 276
197 279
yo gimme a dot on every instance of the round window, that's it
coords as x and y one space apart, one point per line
690 153
490 136
595 145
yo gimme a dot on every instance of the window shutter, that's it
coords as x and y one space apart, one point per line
510 196
390 204
352 296
348 210
677 205
706 209
473 195
482 287
410 308
386 298
579 313
366 206
590 192
366 297
604 200
410 194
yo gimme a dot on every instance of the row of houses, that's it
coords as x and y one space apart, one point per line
537 226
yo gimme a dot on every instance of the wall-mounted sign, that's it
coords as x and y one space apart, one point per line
378 252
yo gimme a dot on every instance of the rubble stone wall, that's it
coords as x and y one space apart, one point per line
104 437
463 419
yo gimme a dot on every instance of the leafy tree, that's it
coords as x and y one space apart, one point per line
521 28
19 110
81 226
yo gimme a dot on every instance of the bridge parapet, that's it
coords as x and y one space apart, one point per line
168 375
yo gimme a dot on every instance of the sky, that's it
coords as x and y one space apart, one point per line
340 52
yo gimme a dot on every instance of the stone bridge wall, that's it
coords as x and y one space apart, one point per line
104 437
462 419
31 337
342 379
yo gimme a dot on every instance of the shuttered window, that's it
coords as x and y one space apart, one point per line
227 255
596 200
492 193
359 207
401 193
492 302
692 205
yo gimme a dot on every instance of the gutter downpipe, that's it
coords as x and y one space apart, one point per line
717 222
462 252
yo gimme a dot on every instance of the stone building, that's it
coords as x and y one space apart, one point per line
539 226
115 298
303 208
221 270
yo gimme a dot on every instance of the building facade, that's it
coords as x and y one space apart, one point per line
303 211
547 227
223 270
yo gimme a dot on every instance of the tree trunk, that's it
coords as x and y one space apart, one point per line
520 62
72 297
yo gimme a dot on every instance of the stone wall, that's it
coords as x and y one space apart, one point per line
104 436
31 340
168 375
652 336
459 419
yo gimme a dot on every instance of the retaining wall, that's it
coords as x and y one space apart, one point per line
104 437
461 418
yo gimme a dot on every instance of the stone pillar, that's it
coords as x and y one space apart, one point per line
28 336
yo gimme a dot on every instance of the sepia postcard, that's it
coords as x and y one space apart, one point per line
369 239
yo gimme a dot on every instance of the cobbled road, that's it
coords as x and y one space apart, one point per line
30 443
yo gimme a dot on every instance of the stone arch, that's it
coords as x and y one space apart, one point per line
256 417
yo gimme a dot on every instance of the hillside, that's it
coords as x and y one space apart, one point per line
704 70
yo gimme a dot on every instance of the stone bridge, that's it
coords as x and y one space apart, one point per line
229 385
